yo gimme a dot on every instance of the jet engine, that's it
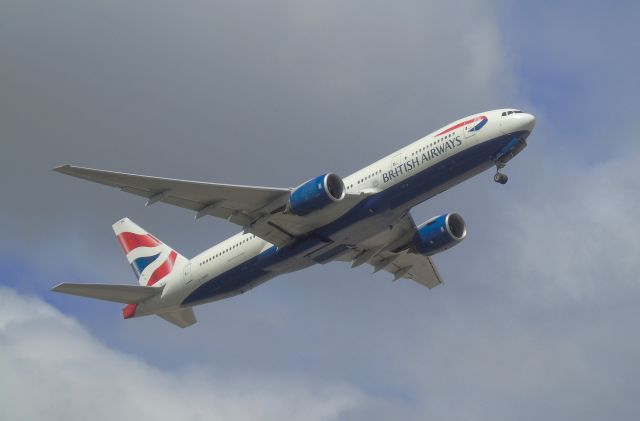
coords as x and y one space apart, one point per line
439 234
315 194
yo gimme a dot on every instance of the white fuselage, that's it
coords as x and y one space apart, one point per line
411 175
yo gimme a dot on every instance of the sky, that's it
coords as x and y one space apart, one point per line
538 315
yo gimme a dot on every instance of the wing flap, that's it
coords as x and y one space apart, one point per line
126 294
412 266
389 251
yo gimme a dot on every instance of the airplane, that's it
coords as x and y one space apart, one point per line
362 219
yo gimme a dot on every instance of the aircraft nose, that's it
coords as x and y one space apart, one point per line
528 121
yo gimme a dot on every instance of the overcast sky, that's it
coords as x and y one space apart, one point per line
539 312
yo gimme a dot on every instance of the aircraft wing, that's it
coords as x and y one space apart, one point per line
389 251
259 210
406 265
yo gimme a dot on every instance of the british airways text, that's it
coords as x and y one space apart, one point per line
428 155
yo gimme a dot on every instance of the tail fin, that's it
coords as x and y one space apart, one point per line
150 258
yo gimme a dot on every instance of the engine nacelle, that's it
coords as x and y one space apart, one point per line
439 234
315 194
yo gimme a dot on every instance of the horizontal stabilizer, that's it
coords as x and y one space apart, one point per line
181 318
127 294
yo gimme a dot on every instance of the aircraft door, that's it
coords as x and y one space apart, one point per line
187 273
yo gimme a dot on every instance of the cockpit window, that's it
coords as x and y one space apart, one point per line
506 113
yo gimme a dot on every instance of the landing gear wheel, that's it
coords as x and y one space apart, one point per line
500 178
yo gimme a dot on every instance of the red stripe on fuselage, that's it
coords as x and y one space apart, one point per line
130 241
164 269
464 123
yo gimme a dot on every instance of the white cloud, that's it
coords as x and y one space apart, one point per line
53 369
572 232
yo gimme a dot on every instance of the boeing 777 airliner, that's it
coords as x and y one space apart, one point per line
362 218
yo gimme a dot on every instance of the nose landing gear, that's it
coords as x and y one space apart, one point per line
500 177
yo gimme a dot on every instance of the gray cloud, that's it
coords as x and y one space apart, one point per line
218 92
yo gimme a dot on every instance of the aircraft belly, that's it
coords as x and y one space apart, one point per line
228 284
363 229
253 272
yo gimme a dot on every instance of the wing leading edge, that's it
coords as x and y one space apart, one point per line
236 203
258 210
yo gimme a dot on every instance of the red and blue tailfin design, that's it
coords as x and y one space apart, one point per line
150 258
